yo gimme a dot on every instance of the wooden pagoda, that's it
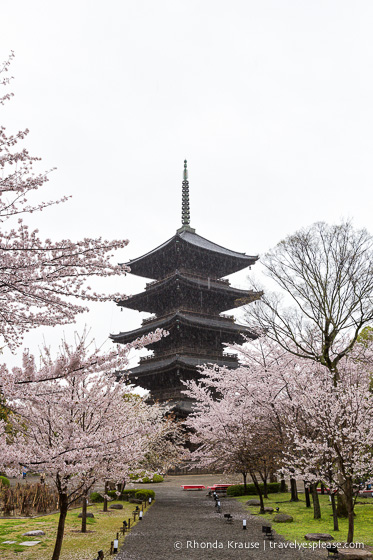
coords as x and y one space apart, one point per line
186 298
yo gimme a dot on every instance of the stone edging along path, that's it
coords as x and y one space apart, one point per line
185 525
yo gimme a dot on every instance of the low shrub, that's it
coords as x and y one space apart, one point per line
115 496
96 498
5 481
139 494
130 493
140 479
158 478
144 494
239 489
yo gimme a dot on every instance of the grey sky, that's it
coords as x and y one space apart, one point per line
270 102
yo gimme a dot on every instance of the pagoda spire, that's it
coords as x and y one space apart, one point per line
185 208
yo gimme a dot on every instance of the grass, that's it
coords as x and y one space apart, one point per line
76 546
305 523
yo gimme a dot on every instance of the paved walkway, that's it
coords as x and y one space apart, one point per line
184 525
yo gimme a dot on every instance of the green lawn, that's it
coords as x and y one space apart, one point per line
305 523
76 546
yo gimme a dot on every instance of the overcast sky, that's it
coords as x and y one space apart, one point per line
271 103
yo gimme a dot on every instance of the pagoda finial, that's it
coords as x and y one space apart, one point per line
185 211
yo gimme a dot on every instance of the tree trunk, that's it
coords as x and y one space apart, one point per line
322 489
350 509
258 489
334 510
342 506
61 526
316 503
265 487
264 476
121 486
84 514
282 486
350 535
244 481
105 492
307 495
294 491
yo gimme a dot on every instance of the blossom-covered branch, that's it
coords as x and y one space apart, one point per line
42 282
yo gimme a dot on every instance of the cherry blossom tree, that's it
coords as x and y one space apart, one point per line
42 282
325 278
336 447
74 419
230 428
324 425
167 450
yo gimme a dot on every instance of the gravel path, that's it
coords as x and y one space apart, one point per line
184 525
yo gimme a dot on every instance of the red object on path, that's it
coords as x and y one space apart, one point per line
220 486
193 487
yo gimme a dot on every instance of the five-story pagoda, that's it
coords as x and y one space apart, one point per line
186 298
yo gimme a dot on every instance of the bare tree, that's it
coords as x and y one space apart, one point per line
326 278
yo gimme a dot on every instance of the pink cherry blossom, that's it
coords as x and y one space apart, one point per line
76 419
319 425
42 282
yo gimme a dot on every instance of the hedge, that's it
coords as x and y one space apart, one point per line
5 481
133 493
146 479
114 495
239 489
158 478
96 498
126 495
145 494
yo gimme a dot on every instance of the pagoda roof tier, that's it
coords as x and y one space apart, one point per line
192 252
156 375
225 326
177 288
152 367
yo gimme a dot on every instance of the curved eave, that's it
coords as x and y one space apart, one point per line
170 321
206 245
147 264
183 362
231 297
140 260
